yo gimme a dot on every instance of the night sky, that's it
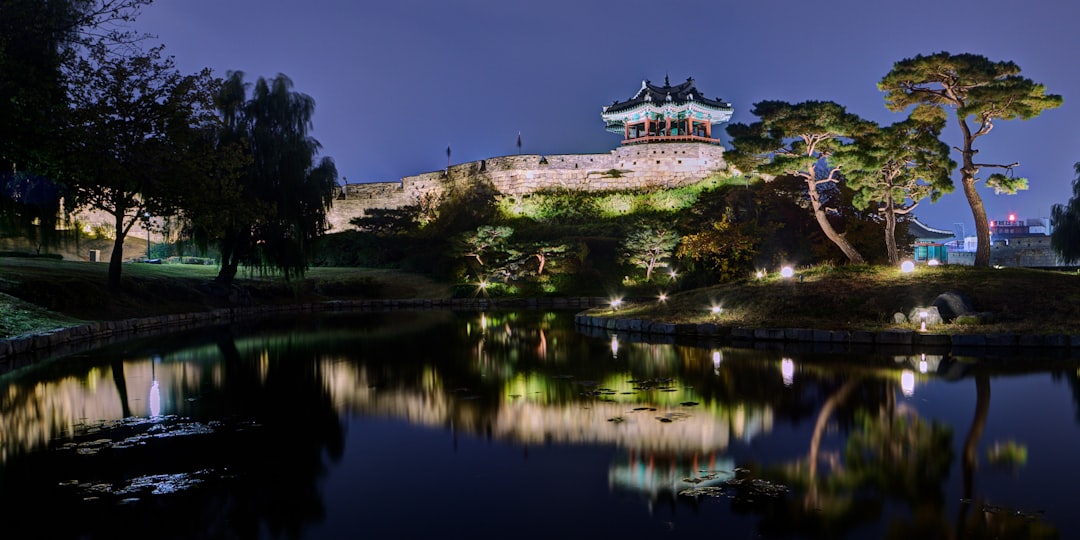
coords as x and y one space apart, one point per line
397 82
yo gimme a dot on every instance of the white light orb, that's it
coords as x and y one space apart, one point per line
787 272
907 267
933 262
907 382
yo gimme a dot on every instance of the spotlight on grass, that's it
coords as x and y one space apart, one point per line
907 267
716 310
787 272
760 274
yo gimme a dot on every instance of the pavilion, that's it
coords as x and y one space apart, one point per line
666 113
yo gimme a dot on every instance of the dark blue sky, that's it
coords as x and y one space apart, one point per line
396 82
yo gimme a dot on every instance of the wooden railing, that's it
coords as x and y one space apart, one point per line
670 138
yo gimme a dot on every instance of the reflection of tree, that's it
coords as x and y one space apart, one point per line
890 453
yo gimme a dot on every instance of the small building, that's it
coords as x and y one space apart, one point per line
666 113
929 242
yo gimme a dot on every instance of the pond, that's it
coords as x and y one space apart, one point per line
515 424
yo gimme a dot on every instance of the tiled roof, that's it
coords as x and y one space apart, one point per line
658 95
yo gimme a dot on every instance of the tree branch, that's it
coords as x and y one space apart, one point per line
997 165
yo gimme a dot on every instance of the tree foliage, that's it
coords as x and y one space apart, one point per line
891 169
980 92
650 246
798 140
725 249
135 121
284 189
1065 218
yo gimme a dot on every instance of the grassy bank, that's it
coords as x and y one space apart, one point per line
38 295
1016 300
41 294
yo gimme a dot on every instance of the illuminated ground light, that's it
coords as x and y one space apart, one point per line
616 303
716 310
933 262
907 267
787 371
673 274
662 297
787 272
760 274
907 382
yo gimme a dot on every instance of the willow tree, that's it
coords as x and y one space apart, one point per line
980 92
285 189
798 140
894 168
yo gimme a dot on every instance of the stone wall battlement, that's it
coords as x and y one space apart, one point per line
629 167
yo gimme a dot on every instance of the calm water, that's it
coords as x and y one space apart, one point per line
514 425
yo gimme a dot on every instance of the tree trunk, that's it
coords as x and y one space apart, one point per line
982 227
823 220
890 231
116 260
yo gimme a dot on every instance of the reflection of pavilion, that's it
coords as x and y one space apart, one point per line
656 474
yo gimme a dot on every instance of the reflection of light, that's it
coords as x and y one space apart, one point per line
483 322
907 382
787 272
614 346
787 371
907 267
922 364
155 400
717 358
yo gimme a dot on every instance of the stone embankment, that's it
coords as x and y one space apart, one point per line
28 349
837 337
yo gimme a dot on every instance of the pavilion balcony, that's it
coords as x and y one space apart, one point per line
670 138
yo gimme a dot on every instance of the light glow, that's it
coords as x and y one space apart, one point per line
907 267
616 303
662 297
787 371
933 262
907 382
614 346
787 272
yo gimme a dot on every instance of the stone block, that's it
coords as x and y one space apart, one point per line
1001 340
840 336
769 334
969 340
821 336
706 329
893 337
862 337
932 340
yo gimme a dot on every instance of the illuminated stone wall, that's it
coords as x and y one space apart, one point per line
628 167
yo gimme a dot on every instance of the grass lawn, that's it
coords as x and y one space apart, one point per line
1018 300
41 294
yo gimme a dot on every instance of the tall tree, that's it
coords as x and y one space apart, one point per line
980 92
798 140
133 120
1065 238
287 189
893 168
39 42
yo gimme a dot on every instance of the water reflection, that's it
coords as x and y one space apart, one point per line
246 428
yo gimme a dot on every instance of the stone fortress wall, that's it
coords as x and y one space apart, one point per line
637 166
